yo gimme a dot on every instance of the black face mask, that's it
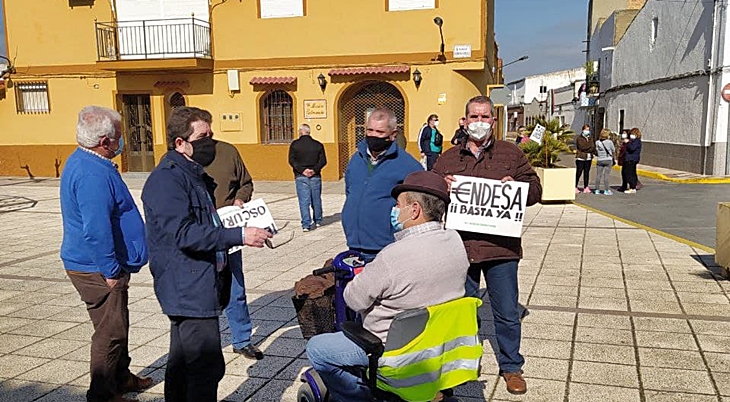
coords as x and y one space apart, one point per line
203 150
377 144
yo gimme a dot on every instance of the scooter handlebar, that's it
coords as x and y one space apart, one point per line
322 271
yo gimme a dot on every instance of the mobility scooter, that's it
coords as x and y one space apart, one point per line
447 356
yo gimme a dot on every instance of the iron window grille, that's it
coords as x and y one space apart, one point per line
277 112
32 97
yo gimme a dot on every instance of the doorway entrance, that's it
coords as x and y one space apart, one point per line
137 117
355 107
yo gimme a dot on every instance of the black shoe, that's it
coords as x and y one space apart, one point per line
250 352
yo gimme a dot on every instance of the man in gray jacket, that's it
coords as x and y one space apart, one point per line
425 266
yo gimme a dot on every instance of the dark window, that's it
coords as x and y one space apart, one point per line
177 100
277 118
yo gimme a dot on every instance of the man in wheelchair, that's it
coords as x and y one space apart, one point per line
424 268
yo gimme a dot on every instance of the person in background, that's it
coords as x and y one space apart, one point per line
430 141
585 148
621 159
377 166
524 135
632 158
307 159
604 161
103 244
460 135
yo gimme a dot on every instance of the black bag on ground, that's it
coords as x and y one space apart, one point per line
314 304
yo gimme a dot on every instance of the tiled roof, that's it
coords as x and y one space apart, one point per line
272 80
370 70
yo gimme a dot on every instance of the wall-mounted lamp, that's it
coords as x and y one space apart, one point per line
440 22
417 78
322 81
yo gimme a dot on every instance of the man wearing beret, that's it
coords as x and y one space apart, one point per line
425 266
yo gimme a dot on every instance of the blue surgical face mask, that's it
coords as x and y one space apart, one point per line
586 133
394 223
121 147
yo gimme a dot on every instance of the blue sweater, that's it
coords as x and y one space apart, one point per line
102 228
366 213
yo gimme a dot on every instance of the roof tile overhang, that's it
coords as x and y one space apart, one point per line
370 70
172 84
272 80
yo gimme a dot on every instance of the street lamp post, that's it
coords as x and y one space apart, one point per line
523 58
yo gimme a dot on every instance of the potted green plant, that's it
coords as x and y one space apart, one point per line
557 181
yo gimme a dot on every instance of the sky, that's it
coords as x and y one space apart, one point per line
551 32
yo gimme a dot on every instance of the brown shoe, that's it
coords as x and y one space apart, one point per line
137 384
516 385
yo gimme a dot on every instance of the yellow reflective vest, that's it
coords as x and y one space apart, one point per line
444 355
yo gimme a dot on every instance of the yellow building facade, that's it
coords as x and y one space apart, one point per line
261 69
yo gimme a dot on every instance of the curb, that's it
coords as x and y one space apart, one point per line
660 176
649 229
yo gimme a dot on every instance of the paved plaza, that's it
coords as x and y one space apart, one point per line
613 312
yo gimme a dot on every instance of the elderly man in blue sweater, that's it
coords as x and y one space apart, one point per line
103 243
377 166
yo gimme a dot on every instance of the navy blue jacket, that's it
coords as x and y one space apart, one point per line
633 151
183 239
366 214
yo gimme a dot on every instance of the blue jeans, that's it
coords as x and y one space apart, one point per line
309 192
501 278
239 319
336 359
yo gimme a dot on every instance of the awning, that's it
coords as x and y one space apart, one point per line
172 84
272 80
370 70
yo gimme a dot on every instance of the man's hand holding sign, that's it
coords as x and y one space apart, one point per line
255 217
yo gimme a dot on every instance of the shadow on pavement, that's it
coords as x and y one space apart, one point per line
15 203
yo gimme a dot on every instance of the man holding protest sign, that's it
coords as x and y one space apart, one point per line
188 252
233 186
495 254
377 166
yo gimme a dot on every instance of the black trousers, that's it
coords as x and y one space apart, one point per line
582 168
431 160
631 176
107 308
195 363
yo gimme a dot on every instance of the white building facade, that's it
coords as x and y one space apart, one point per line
664 77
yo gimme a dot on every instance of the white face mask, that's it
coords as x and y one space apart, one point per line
479 130
436 123
633 137
623 136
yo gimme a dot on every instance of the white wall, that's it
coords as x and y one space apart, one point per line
551 81
132 10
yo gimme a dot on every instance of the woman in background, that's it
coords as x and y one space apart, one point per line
604 161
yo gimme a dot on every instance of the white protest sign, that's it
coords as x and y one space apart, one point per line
487 206
537 133
254 214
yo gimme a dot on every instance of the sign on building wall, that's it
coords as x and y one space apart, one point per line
487 206
462 51
315 109
281 8
403 5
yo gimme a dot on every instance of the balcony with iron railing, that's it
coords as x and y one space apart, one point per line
181 43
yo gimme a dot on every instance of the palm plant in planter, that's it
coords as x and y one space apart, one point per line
557 182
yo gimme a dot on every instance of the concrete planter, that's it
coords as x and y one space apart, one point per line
722 241
557 183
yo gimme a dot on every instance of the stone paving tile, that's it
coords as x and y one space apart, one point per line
10 343
51 348
714 343
718 362
604 335
604 353
56 372
66 393
661 324
669 340
43 328
23 391
723 383
545 348
591 392
664 396
605 374
670 358
546 331
539 390
14 365
547 369
667 379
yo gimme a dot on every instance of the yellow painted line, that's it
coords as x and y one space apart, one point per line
648 229
698 180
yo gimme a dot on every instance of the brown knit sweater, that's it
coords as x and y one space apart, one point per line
232 180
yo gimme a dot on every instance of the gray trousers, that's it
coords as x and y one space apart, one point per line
603 170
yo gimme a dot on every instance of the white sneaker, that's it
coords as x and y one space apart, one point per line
630 191
306 229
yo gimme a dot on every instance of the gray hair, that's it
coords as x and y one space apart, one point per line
305 129
433 207
383 113
94 123
479 99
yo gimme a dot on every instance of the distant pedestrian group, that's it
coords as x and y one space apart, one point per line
605 154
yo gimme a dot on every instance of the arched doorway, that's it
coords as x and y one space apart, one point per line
355 106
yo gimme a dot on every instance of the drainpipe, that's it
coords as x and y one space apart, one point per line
712 102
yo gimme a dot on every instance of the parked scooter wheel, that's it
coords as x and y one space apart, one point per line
306 394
